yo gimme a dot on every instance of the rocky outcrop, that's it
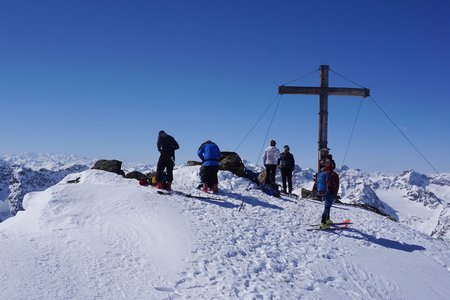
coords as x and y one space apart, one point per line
230 161
5 176
423 196
135 175
441 179
113 166
364 194
24 180
442 230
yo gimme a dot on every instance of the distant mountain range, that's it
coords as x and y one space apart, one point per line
417 200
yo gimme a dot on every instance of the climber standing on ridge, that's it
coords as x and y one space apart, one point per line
209 153
166 146
324 190
271 156
287 165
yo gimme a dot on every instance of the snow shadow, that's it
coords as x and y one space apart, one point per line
335 206
287 199
221 203
252 200
387 243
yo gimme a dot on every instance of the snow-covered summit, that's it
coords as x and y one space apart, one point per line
414 199
106 237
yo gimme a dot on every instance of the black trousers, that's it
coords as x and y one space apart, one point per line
286 174
270 173
208 175
164 163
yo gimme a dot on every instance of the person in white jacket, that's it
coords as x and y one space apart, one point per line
271 156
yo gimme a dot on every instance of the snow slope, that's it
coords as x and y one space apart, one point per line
108 238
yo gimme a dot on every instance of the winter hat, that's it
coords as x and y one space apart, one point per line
273 143
162 132
287 147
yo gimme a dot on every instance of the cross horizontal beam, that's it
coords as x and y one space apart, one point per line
333 91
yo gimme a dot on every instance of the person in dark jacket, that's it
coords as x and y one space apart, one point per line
287 165
166 146
209 153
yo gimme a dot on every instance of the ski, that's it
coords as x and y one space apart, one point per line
294 196
332 228
172 192
346 222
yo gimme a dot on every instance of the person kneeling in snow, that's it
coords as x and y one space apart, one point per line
209 153
323 190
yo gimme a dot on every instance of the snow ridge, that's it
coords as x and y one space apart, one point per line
414 199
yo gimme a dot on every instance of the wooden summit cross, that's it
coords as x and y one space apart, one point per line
323 91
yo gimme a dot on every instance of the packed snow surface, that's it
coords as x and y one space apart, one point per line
106 237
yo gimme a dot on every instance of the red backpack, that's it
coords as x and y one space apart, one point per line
334 183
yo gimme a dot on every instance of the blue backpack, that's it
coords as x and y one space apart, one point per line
323 183
271 190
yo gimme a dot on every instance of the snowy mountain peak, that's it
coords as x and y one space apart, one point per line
412 177
363 194
48 161
441 179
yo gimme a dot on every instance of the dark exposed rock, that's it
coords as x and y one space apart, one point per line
113 166
230 161
135 175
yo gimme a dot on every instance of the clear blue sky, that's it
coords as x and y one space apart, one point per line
101 78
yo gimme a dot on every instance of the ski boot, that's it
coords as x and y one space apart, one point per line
324 226
215 189
159 185
329 222
204 188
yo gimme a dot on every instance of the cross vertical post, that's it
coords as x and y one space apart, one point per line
323 91
323 115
